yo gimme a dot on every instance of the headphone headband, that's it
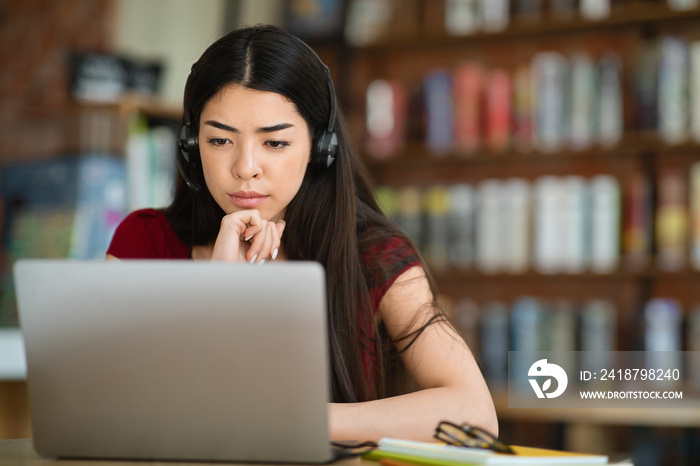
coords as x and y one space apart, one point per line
331 93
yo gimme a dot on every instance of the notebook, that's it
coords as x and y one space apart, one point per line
176 360
437 454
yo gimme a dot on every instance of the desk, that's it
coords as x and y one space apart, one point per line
21 452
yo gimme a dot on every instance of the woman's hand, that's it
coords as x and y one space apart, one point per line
246 236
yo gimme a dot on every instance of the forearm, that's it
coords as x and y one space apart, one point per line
411 416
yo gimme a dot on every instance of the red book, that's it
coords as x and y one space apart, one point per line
498 110
468 95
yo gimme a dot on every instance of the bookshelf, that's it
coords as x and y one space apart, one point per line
93 136
413 43
407 52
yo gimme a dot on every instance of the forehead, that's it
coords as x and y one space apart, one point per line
235 100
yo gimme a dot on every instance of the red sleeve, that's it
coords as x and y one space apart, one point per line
393 250
146 234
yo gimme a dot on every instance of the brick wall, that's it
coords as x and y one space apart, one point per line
35 37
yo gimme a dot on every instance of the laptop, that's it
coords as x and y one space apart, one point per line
176 360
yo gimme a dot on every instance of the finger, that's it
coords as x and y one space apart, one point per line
280 227
257 243
266 250
254 223
276 240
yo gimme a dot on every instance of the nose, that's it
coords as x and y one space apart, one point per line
245 165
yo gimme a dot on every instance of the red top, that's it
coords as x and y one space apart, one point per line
146 234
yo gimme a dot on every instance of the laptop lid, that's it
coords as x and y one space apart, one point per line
176 360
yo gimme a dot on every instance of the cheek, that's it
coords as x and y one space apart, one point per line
211 170
293 173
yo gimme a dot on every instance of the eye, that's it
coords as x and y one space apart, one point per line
218 142
277 145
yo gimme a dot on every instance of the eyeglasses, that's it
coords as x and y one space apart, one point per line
470 436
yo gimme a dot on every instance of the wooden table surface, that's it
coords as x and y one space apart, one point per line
20 452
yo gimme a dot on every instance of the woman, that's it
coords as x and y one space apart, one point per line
268 174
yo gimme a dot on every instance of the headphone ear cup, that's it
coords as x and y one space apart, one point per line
189 146
326 148
188 156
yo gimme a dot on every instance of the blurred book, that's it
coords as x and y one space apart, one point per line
563 325
527 319
595 9
436 238
671 223
673 90
528 333
683 4
469 86
693 347
548 224
637 226
550 77
662 334
575 225
645 86
439 112
562 9
494 341
584 97
495 14
367 21
315 19
386 110
150 164
610 105
598 337
695 90
461 220
463 17
528 10
515 225
523 107
489 229
605 223
388 200
694 214
410 213
498 110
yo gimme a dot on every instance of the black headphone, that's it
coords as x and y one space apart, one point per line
188 158
325 149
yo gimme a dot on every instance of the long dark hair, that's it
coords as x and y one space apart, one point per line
333 219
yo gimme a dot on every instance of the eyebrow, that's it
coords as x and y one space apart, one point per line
264 129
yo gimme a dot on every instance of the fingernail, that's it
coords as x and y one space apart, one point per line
253 259
274 254
248 238
261 262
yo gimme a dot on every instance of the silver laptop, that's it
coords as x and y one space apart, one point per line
176 360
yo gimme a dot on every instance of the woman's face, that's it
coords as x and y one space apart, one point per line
255 148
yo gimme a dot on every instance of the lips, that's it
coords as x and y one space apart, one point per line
247 199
